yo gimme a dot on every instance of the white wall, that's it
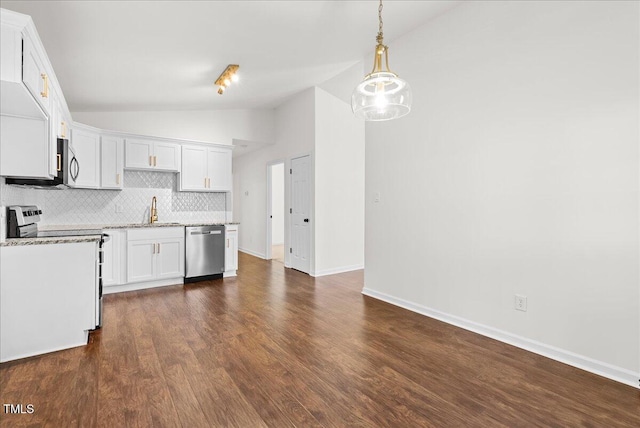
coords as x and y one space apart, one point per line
317 123
294 136
341 86
277 204
516 172
215 126
339 186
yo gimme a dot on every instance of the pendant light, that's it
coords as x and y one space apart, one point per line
382 95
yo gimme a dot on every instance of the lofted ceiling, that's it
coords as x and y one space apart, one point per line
165 55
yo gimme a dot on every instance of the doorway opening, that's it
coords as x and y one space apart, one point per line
275 212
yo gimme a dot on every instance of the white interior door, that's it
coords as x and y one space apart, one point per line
300 213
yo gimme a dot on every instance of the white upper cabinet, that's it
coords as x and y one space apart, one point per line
193 174
31 101
111 162
205 169
86 145
151 155
219 167
138 154
166 156
35 75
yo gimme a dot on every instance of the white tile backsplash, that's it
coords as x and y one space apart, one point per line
89 206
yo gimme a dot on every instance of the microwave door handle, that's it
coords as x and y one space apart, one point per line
75 168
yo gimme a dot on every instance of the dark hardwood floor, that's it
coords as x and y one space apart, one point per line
274 347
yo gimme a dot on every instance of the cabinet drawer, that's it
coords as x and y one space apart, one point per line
155 233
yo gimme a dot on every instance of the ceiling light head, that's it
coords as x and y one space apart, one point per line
226 77
382 95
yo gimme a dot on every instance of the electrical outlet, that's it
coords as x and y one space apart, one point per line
119 209
376 197
521 302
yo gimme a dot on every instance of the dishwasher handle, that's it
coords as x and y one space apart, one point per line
208 232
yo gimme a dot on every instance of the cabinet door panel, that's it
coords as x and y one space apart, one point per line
170 258
138 154
141 260
194 168
111 260
167 156
32 75
87 149
231 249
111 162
219 166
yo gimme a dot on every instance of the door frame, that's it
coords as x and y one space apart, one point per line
268 220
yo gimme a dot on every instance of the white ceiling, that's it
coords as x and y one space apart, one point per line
165 55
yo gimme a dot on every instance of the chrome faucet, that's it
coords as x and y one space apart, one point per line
153 215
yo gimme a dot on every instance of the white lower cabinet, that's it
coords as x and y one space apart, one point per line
155 253
51 307
114 259
170 258
231 250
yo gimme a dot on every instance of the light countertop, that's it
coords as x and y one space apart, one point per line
12 242
15 242
130 225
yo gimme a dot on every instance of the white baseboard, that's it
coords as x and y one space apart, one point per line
252 253
333 271
141 285
600 368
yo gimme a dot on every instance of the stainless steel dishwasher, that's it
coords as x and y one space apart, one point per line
204 252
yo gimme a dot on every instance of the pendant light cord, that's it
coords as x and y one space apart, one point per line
379 38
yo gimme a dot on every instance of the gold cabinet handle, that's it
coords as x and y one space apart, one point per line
150 160
117 178
155 161
154 248
227 242
45 92
205 182
59 156
158 248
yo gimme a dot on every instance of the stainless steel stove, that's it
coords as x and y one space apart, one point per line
22 222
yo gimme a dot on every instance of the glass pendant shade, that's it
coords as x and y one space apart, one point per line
381 96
